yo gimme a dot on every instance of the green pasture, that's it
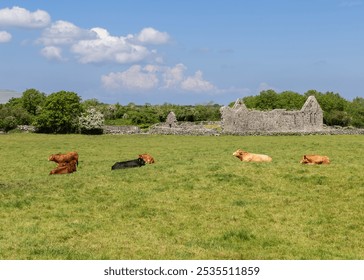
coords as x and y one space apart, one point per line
196 202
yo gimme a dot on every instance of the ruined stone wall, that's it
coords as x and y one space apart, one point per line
182 128
123 129
240 119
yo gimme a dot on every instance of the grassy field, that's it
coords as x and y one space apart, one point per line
196 202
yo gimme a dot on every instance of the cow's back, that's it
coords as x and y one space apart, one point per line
260 158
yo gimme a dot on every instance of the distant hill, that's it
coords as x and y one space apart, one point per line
6 94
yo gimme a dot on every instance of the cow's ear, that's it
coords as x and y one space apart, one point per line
304 157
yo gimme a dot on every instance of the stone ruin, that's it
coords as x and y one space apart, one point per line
171 120
241 120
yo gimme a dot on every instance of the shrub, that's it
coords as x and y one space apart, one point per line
8 123
91 122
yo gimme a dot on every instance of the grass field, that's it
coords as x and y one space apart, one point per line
196 202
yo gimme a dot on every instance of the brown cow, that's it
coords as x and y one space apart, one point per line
315 159
65 168
61 158
245 156
147 158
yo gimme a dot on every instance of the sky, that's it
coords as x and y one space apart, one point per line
182 52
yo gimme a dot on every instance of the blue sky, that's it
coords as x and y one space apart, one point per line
182 52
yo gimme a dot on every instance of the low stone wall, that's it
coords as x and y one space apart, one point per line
183 128
324 131
26 128
188 128
125 129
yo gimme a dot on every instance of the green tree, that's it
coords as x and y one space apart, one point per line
32 101
8 123
267 100
290 100
249 101
15 102
60 113
12 115
356 112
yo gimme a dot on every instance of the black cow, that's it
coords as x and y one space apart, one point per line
129 163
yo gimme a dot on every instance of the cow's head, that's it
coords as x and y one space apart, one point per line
305 159
239 154
141 161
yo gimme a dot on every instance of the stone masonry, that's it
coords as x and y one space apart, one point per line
239 119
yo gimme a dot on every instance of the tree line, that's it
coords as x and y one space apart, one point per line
65 112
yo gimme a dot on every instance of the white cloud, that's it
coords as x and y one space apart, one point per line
97 45
52 52
154 77
197 83
172 77
20 17
107 48
135 78
150 35
64 33
5 37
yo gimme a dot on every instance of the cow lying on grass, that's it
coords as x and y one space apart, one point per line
315 159
61 158
245 156
128 164
147 158
65 168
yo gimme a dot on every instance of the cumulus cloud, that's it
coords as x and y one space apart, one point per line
97 45
20 17
52 52
64 33
154 77
4 37
135 78
150 35
107 48
196 83
172 77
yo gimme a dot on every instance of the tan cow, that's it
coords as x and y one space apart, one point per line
147 158
245 156
61 158
315 159
65 168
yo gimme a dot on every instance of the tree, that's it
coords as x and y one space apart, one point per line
13 115
249 101
60 113
267 100
290 100
32 101
336 117
8 123
356 112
